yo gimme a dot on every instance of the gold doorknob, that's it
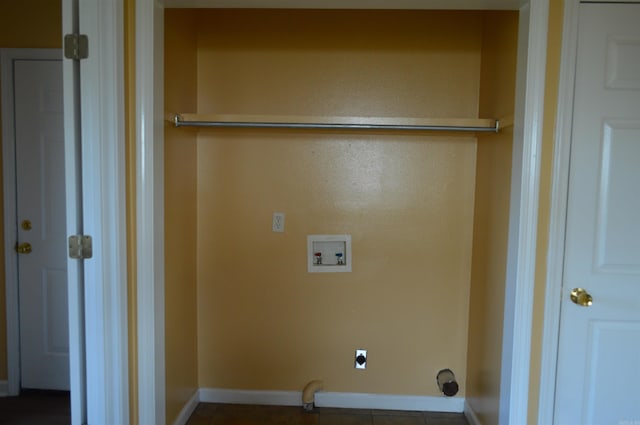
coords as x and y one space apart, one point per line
23 248
581 297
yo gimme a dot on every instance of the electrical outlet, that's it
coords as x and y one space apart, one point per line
277 225
361 359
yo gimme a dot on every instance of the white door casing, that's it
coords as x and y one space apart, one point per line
150 209
598 371
42 273
149 166
103 211
523 213
73 180
96 201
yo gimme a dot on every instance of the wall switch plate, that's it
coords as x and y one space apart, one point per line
277 224
361 359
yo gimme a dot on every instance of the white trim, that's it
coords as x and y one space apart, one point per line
390 402
4 388
558 214
334 399
188 409
525 183
103 200
470 414
270 398
7 57
73 192
150 210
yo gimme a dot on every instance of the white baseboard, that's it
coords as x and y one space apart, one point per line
470 414
4 388
389 401
188 409
332 399
277 398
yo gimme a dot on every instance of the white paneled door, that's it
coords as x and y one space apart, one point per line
40 207
598 374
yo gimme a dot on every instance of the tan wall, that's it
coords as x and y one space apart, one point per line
491 219
554 44
180 216
406 199
23 24
31 23
130 143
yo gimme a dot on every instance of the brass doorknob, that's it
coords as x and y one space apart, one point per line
23 248
581 297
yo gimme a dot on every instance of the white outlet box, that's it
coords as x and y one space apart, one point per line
277 223
329 253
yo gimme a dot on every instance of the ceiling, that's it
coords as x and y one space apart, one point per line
348 4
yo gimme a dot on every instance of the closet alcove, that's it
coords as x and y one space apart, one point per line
428 211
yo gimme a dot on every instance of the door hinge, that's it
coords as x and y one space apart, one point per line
80 247
76 46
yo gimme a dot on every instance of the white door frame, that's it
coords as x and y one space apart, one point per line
103 211
150 209
558 213
7 57
73 188
523 217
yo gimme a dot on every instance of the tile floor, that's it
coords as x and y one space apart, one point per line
52 408
36 408
235 414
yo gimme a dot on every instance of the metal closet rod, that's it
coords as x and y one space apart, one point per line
179 122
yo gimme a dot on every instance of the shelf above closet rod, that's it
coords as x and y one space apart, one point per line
348 123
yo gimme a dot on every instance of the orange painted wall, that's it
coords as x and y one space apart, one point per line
491 219
180 216
23 24
31 23
407 199
132 258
